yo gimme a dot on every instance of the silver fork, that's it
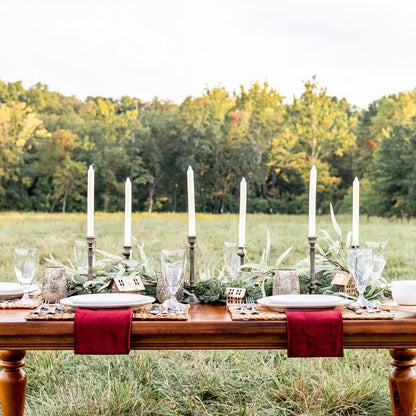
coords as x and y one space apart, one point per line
240 307
43 305
377 305
251 304
368 307
56 306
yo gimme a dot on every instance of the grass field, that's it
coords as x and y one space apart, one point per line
254 383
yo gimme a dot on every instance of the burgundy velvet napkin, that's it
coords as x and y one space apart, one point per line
317 333
105 331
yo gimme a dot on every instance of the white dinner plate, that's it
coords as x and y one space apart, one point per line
280 302
10 290
107 300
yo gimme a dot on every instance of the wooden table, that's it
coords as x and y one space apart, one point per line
209 327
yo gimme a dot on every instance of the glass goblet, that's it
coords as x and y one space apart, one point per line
360 264
231 259
378 267
26 262
173 270
379 249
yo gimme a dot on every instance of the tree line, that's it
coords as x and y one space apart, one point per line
47 141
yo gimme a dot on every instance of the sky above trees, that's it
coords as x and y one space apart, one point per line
359 49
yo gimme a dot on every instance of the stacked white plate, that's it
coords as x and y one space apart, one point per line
107 300
9 290
280 302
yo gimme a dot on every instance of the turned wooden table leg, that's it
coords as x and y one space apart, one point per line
12 383
403 382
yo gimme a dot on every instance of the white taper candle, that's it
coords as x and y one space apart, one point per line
127 213
312 202
243 210
90 202
355 212
191 202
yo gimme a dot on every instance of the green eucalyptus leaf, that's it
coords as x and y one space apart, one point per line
283 256
349 238
109 255
334 221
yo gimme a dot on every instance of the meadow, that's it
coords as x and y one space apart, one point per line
162 383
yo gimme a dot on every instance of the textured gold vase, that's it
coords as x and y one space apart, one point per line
54 284
286 282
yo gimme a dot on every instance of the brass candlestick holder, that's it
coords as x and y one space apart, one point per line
192 298
127 252
312 286
91 248
241 251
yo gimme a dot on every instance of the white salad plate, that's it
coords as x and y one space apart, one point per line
280 302
10 290
107 300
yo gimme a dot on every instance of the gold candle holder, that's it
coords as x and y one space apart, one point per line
192 298
312 286
91 248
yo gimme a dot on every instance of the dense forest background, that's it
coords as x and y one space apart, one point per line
47 141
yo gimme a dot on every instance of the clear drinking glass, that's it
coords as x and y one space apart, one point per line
360 264
81 254
379 249
231 258
26 262
173 270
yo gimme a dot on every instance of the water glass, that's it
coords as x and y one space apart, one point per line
379 249
360 264
81 254
26 262
231 258
173 270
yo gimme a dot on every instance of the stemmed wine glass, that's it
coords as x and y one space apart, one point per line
173 270
360 264
26 261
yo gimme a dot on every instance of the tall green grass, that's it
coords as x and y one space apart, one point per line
197 383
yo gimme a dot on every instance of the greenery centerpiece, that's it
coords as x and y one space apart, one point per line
332 258
106 269
257 278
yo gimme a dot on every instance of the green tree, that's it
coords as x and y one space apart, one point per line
105 132
317 129
20 130
256 121
154 153
69 181
203 127
394 172
54 162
